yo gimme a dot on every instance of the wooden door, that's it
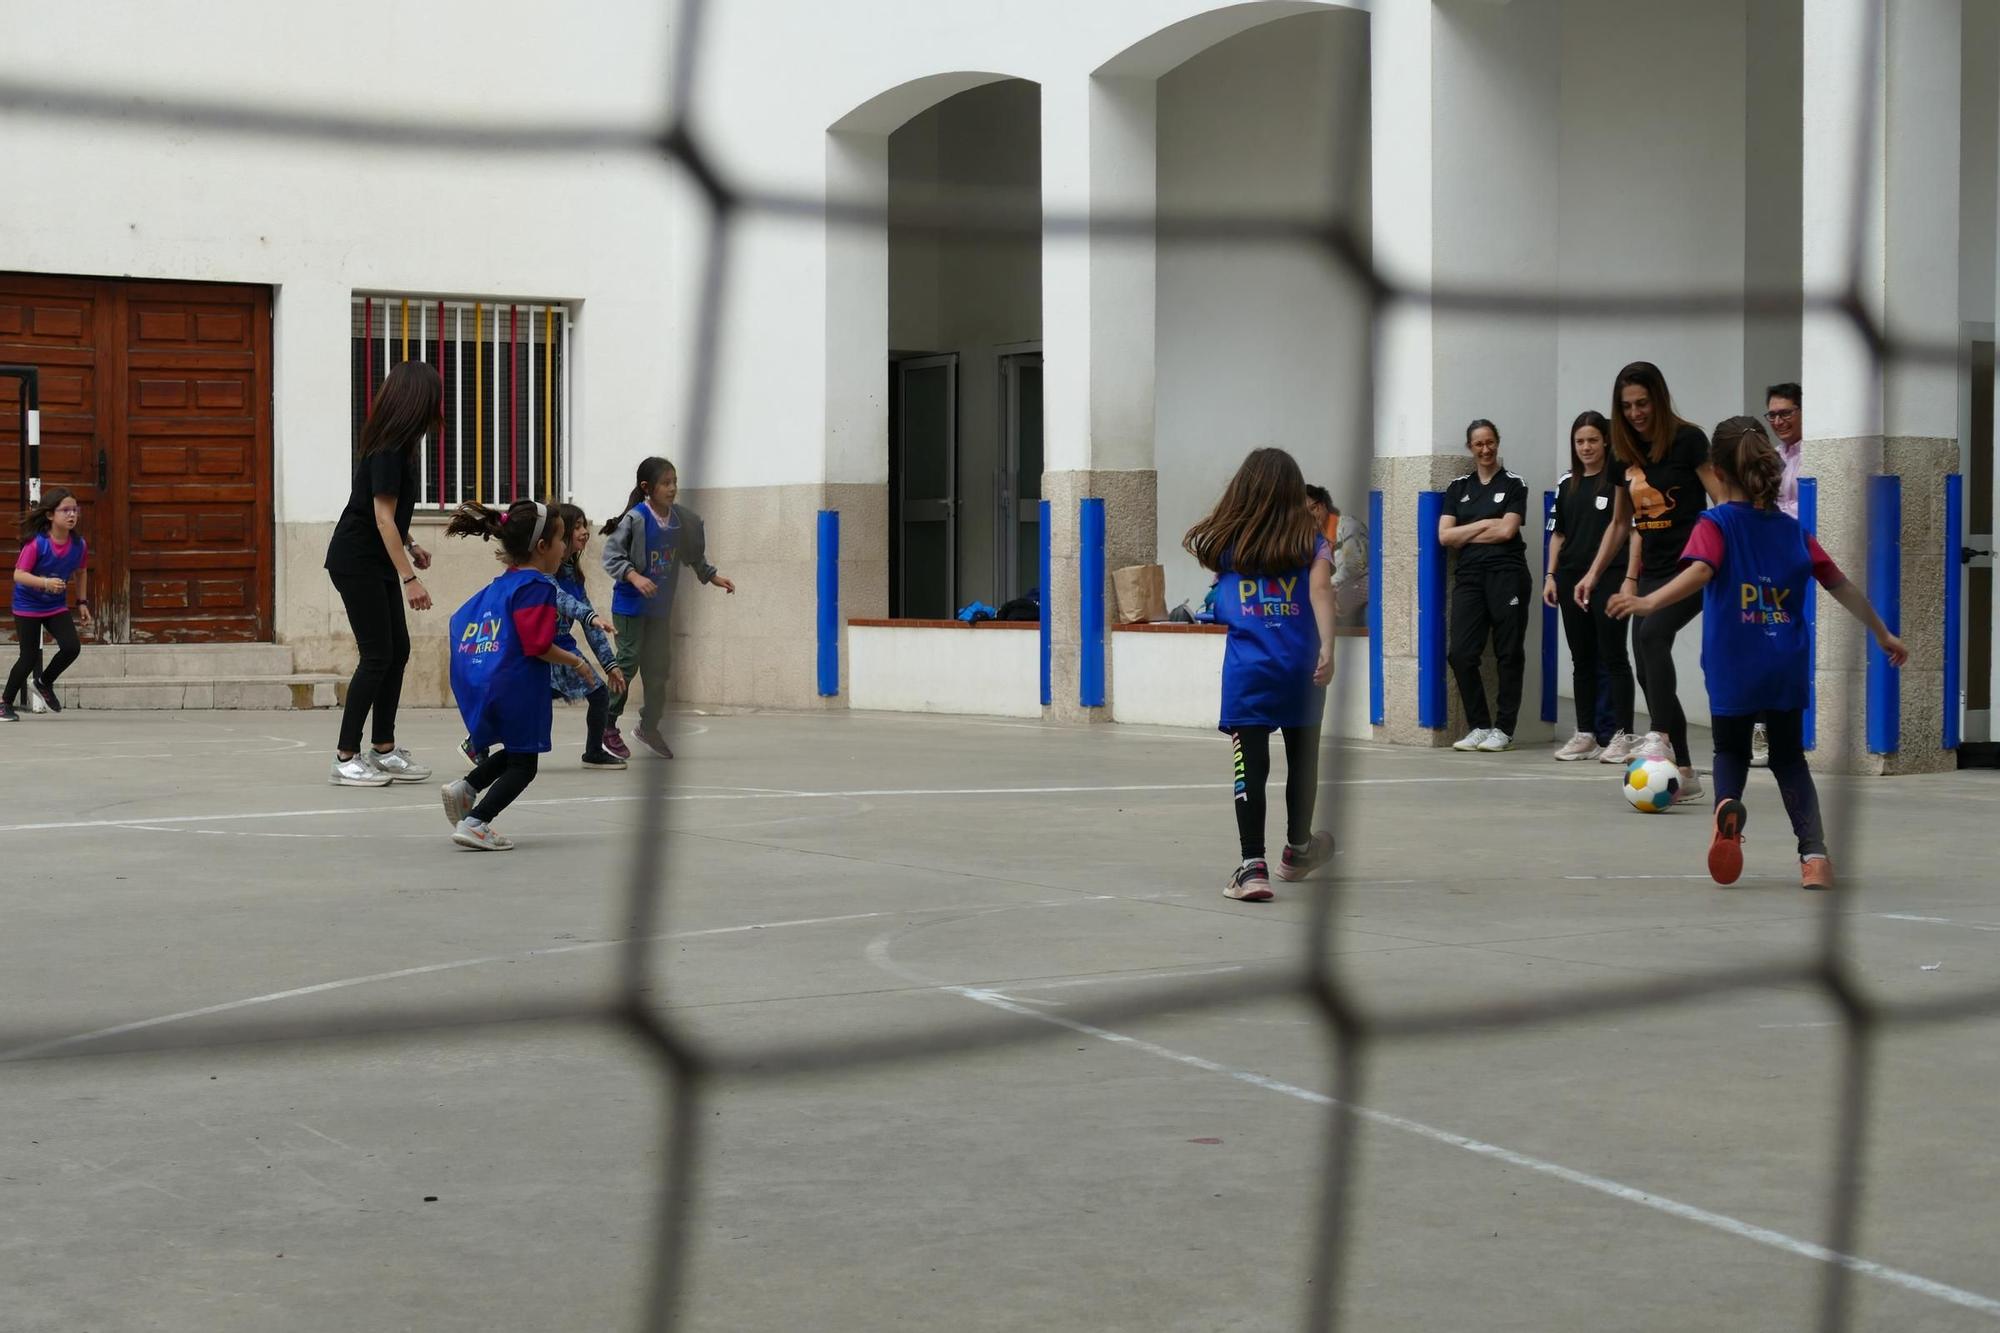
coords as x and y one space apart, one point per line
156 410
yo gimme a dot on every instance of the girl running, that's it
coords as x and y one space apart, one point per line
1663 482
52 557
1596 641
1274 590
503 642
649 542
1751 561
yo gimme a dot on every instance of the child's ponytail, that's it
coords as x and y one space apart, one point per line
36 518
1744 456
521 531
650 472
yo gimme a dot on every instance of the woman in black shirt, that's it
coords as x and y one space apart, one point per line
1663 488
1491 591
374 566
1584 499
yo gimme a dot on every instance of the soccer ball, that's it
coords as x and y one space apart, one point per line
1651 785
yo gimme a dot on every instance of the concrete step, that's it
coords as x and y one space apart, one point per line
286 691
179 661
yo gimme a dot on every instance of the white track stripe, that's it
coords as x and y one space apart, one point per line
1777 1240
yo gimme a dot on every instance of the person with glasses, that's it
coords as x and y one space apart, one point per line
1781 409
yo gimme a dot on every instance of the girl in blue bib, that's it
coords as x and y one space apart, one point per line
52 558
1274 592
503 642
1752 563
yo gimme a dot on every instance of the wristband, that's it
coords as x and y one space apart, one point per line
408 581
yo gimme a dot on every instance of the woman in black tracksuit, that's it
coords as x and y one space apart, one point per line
1584 501
1663 487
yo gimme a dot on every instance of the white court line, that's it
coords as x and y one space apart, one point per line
1162 974
344 983
739 794
1936 921
1777 1240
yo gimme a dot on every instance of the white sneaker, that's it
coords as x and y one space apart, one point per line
1620 750
1655 746
1496 742
1690 788
1473 739
459 798
356 772
35 704
480 837
1583 745
1760 745
396 765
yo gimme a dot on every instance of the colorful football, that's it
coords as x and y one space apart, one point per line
1651 785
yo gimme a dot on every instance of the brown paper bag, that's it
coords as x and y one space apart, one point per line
1142 593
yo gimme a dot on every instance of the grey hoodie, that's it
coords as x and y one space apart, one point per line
625 548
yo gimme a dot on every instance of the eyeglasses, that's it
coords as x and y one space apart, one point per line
1778 414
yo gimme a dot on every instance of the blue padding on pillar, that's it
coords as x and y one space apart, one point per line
1048 600
829 602
1430 612
1375 701
1549 613
1954 576
1809 520
1090 574
1885 590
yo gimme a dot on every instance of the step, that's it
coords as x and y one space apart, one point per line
180 661
288 691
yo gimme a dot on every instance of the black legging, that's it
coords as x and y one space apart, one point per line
28 629
597 706
375 611
502 776
1653 647
1250 748
1598 664
1786 731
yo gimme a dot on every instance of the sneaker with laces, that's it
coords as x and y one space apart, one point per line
480 837
606 760
1619 749
1300 862
7 713
614 744
396 764
356 772
1725 849
1654 746
651 738
1760 747
1496 742
1815 872
1250 884
459 798
1691 788
1472 740
1582 746
42 697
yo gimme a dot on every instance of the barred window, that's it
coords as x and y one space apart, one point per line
505 367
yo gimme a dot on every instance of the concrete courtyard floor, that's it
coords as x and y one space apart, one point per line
839 876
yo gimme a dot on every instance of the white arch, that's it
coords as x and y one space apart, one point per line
889 110
1155 54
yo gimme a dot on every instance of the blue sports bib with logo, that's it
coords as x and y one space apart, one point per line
1267 667
1756 651
502 694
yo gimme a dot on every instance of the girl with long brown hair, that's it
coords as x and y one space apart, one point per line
1596 642
1274 592
52 557
374 565
1664 482
1752 562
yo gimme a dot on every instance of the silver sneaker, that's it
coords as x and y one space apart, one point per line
1690 790
1496 742
1473 739
459 798
35 704
1582 746
396 765
1654 746
1760 747
1620 750
356 772
480 837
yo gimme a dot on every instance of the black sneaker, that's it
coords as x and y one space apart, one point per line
48 695
605 760
7 713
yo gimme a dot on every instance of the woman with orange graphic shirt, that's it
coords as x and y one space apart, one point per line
1664 482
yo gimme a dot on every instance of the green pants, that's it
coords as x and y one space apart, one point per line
645 651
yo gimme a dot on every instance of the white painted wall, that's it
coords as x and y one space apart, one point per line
1175 680
996 672
1256 346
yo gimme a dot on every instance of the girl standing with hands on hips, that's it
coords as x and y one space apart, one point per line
52 557
1751 562
1663 484
648 543
1596 641
374 566
503 642
1274 591
1483 513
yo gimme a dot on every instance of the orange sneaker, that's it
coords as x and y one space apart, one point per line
1725 850
1816 873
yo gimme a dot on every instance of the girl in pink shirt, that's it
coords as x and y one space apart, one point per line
52 558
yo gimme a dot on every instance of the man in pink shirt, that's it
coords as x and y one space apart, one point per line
1781 409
